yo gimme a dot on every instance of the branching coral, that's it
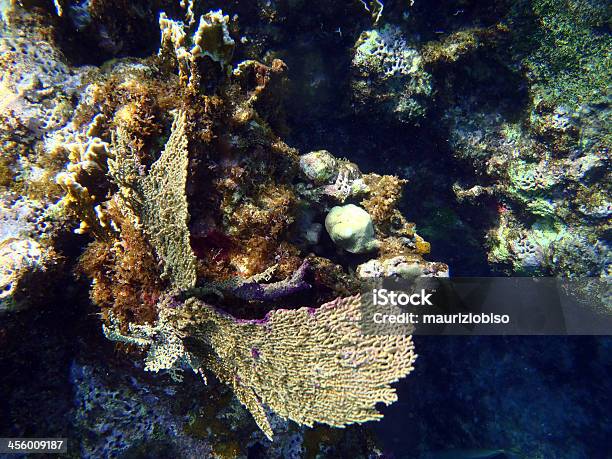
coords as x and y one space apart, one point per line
87 163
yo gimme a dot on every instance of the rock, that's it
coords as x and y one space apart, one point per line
18 259
319 166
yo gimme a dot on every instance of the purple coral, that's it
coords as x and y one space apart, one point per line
254 291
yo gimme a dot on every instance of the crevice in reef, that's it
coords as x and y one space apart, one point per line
93 32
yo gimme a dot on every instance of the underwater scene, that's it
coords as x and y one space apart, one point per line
206 206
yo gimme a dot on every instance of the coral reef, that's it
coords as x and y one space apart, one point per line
219 185
388 75
193 208
540 153
551 178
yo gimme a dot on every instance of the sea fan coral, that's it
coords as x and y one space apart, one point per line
159 201
308 365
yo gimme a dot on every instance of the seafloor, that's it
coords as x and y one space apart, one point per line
194 193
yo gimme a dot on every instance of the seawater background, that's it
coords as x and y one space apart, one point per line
540 397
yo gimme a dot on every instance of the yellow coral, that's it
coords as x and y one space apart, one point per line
87 157
306 365
159 200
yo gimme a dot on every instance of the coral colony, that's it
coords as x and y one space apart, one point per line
208 244
150 165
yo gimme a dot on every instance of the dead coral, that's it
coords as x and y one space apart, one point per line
137 118
266 86
331 281
269 213
7 175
